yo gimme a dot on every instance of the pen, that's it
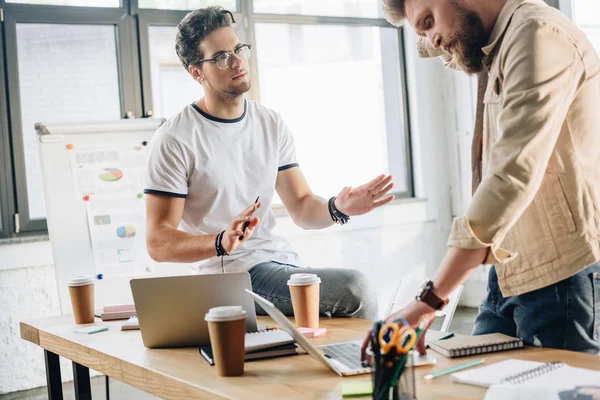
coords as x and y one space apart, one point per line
247 223
454 369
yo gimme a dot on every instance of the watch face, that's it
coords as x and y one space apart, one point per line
424 286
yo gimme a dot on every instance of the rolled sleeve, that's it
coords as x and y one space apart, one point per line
543 69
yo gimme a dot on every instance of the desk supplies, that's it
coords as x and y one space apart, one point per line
357 389
112 308
455 369
91 329
431 336
255 341
391 344
312 332
536 380
271 352
494 373
111 316
131 324
461 345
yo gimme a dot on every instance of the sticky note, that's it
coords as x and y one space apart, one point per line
91 329
312 332
356 389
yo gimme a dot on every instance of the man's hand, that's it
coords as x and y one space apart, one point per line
231 237
361 200
415 313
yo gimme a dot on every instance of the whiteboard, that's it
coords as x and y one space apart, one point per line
67 211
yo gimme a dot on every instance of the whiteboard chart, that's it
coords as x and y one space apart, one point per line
93 178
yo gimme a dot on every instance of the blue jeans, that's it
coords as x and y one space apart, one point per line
565 315
344 292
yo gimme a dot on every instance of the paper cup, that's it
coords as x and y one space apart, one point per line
227 330
81 291
305 292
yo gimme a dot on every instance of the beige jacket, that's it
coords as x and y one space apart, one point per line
538 205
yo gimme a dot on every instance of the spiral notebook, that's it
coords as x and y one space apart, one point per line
520 379
461 345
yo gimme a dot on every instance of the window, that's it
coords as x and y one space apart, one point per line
172 87
62 67
334 8
67 73
330 83
187 4
79 3
337 80
586 13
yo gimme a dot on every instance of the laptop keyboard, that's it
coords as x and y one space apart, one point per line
346 353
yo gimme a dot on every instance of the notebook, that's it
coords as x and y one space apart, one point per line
277 351
259 340
461 345
131 324
520 379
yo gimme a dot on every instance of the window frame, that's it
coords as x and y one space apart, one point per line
127 61
6 183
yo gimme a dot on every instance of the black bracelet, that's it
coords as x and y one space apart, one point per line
336 215
219 246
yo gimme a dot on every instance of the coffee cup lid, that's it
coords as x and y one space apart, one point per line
303 279
225 313
80 280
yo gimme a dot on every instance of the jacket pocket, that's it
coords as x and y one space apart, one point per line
596 284
556 206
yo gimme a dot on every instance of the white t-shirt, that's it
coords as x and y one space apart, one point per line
220 167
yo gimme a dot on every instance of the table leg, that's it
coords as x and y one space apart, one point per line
81 380
53 376
107 388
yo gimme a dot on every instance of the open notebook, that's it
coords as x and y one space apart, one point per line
520 379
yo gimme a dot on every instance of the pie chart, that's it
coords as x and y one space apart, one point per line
111 174
126 231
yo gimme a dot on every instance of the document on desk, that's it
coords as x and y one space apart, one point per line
539 381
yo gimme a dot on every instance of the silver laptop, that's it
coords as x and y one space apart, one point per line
171 310
341 358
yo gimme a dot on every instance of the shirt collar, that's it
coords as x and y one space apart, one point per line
502 23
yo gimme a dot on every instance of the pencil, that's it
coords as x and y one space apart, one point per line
454 369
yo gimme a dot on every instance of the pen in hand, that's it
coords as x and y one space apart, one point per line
246 224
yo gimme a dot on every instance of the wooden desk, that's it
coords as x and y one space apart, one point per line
183 373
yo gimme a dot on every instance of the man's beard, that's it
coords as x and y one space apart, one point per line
230 93
468 39
237 91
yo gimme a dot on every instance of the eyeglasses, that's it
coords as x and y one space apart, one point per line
223 60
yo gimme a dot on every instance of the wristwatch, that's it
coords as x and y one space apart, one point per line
426 295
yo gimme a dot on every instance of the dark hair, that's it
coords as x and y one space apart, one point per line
196 26
394 12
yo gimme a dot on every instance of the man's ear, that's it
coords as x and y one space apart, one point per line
196 73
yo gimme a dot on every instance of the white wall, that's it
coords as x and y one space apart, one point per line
406 238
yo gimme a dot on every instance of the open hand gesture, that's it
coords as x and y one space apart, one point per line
361 200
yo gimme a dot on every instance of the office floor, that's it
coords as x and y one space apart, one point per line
462 323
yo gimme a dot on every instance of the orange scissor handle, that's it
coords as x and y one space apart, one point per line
398 335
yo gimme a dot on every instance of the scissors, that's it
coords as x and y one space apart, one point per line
401 338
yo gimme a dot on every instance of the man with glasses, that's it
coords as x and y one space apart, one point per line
221 153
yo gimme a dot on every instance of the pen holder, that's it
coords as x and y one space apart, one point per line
405 388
